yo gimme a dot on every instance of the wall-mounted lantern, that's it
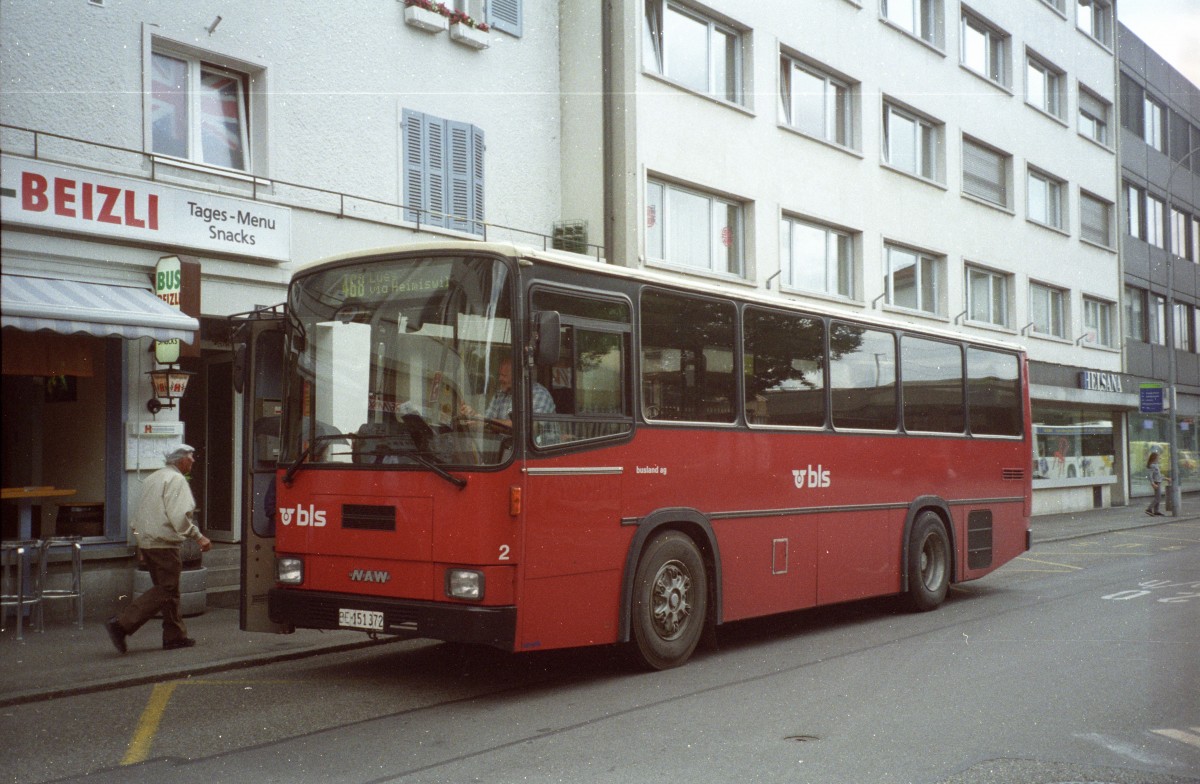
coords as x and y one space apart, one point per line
169 385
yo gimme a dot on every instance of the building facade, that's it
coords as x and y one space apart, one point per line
949 164
1160 250
237 144
943 163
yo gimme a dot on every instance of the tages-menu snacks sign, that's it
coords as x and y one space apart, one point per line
63 198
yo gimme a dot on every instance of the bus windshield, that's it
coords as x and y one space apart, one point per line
385 358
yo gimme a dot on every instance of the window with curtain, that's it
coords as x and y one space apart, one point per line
986 172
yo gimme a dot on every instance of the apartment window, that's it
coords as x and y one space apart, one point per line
1183 327
1057 5
1044 85
1095 219
984 49
199 111
1179 227
1154 125
443 172
1047 310
1094 112
1097 321
1095 17
914 279
693 50
1135 226
1132 103
1155 228
1195 239
922 18
815 102
1156 313
1045 196
1178 130
1135 313
988 296
694 229
986 172
818 258
911 143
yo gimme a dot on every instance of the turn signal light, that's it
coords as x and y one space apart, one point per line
514 501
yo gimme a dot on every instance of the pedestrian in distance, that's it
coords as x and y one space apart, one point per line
1154 474
163 520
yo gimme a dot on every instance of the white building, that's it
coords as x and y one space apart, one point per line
941 163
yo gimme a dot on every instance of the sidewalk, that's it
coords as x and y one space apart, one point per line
64 660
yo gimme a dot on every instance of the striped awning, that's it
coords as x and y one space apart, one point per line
100 309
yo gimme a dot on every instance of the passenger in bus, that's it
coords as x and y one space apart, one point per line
1154 474
499 409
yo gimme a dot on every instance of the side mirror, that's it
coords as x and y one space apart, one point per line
548 342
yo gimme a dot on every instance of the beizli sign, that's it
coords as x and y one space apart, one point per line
63 198
1100 381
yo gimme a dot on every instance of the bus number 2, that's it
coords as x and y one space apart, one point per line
504 550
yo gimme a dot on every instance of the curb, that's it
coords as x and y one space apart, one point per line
183 672
1113 529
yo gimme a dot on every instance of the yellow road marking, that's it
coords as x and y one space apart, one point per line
143 736
147 728
1051 563
1180 735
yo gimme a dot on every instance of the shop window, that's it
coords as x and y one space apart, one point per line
1071 444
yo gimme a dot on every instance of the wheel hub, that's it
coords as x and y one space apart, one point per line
672 607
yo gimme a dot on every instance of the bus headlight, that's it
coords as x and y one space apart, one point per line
289 571
464 584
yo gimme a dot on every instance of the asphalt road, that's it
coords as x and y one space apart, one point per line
1080 662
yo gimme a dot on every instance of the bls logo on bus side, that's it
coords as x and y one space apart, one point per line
302 517
811 477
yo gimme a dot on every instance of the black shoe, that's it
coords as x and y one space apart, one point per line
1150 513
186 642
116 634
1160 514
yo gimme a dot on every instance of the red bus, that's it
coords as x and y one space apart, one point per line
489 444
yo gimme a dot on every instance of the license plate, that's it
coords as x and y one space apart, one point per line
360 619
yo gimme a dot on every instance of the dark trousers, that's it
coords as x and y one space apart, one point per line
165 567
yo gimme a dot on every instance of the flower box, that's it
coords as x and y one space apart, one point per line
422 19
469 36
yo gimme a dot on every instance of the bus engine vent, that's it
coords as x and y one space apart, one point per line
1012 474
979 539
369 518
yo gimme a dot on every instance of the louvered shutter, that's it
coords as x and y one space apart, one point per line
477 148
435 172
459 175
414 165
505 16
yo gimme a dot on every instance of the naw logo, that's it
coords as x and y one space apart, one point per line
810 477
302 517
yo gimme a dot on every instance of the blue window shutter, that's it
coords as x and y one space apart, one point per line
435 172
459 175
505 16
477 148
414 165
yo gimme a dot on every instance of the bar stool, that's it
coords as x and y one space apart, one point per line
75 591
20 582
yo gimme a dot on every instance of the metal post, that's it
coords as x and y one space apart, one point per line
1174 493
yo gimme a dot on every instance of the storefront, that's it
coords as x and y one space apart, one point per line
1080 457
80 323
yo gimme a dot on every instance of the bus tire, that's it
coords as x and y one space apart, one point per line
670 601
928 563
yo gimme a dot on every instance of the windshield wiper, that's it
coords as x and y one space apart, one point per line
424 460
294 467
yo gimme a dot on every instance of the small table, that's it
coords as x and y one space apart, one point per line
25 496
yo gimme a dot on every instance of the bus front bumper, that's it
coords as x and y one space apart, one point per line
494 626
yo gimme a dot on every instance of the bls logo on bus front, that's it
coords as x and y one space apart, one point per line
811 477
302 517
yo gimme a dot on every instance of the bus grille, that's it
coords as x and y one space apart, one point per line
1012 474
369 518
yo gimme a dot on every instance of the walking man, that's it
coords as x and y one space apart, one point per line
162 521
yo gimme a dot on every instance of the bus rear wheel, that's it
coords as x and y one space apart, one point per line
670 601
928 563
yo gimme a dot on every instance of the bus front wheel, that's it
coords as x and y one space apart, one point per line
670 601
928 563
